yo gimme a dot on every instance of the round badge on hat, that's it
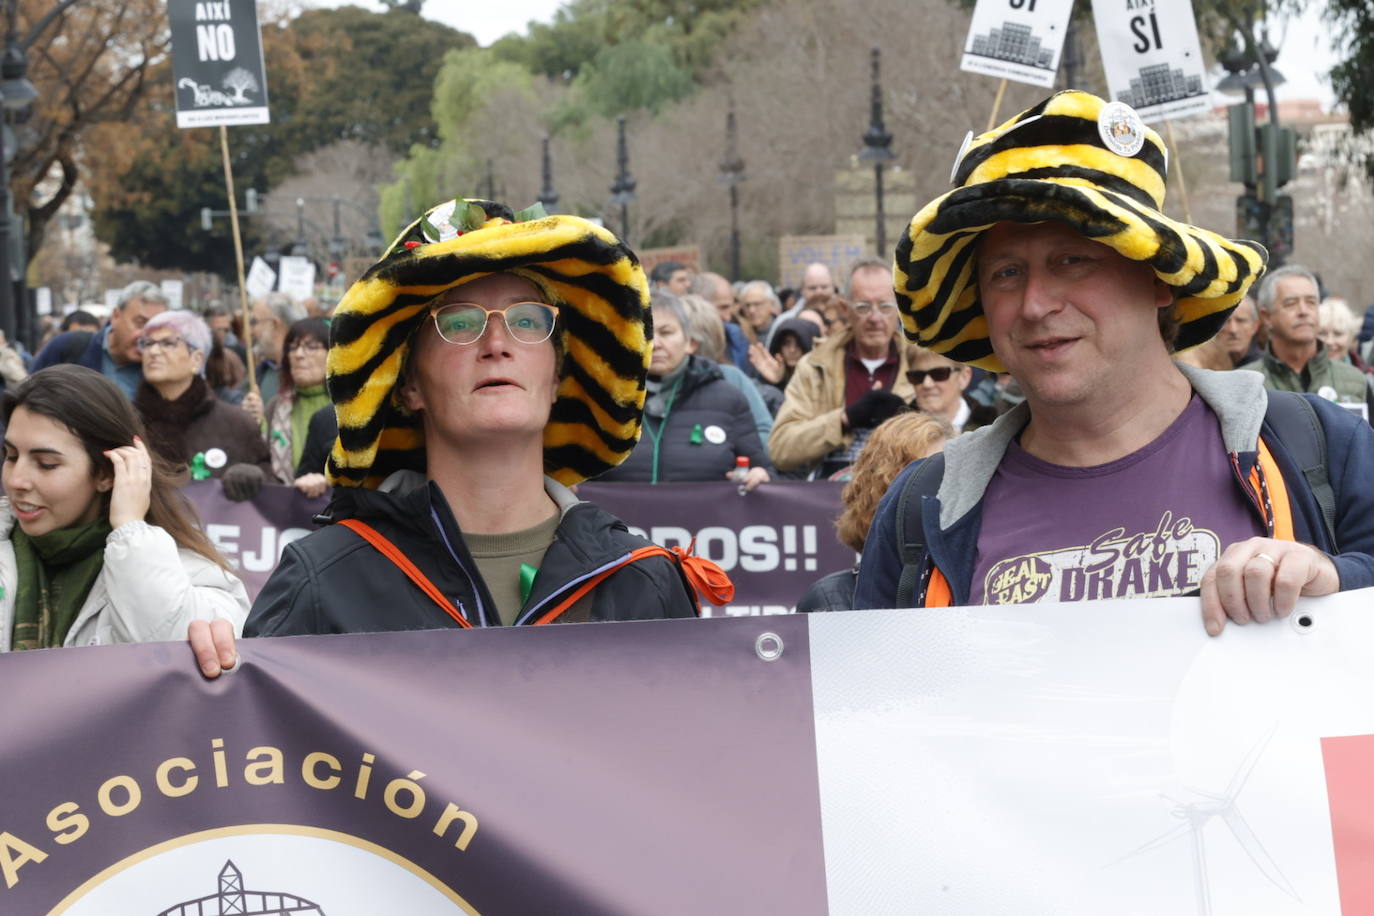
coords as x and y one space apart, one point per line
1121 128
216 458
714 435
1327 392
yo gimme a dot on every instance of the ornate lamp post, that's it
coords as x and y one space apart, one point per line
548 196
623 191
491 180
876 143
731 174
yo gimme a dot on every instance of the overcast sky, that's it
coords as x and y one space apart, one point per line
1304 54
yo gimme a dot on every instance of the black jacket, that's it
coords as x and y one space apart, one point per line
333 581
704 406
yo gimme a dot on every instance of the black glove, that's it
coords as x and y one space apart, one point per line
877 405
242 481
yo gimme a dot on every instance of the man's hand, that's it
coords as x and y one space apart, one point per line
769 367
213 644
1261 580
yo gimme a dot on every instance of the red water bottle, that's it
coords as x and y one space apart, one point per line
741 472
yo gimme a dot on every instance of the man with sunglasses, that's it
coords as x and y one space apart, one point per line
846 386
940 385
486 362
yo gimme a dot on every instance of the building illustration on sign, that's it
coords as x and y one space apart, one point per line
1013 42
233 899
1157 84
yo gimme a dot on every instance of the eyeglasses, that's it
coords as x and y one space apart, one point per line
940 374
864 309
145 344
306 346
465 322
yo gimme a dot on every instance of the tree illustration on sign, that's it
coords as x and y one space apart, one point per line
240 81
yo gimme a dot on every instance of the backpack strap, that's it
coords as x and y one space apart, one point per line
393 553
924 481
1300 431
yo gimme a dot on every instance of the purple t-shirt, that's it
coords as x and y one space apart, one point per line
1144 526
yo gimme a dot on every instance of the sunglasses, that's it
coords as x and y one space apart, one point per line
465 322
941 374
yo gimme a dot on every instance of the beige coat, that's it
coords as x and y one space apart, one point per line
809 424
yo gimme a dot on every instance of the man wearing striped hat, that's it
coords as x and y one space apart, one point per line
1124 474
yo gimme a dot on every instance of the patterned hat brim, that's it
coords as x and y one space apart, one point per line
604 324
934 267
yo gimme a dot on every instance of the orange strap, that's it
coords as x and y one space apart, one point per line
394 554
705 576
938 592
1278 493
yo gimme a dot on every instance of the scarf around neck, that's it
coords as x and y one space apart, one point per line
56 572
166 421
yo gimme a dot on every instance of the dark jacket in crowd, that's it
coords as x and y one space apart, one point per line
834 592
81 348
320 434
200 423
693 430
333 581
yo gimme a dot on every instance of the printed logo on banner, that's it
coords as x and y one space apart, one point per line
1152 57
285 869
1017 39
217 63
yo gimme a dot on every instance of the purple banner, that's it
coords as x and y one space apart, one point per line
252 534
569 769
774 542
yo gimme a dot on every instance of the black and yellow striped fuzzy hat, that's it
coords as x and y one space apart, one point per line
1079 160
604 327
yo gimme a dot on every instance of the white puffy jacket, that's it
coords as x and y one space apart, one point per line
149 590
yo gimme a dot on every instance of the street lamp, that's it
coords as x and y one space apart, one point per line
731 174
491 180
623 191
876 143
300 249
16 92
548 196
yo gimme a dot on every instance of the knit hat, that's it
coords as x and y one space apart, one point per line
604 334
1082 161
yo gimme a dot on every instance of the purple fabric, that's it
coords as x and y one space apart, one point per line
1146 525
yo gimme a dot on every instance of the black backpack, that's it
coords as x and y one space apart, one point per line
1290 415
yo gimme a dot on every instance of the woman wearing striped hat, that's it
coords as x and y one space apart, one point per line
486 363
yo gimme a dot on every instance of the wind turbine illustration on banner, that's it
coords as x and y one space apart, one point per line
1194 817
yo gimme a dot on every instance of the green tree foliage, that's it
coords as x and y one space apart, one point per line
333 74
633 74
1353 78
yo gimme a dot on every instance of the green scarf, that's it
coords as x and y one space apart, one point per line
306 403
56 572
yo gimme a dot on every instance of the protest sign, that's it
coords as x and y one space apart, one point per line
217 63
689 256
1017 39
297 277
175 291
1098 757
1151 56
838 252
261 279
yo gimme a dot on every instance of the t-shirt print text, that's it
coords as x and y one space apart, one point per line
1169 560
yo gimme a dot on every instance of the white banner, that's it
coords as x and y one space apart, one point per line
1017 39
1103 757
297 277
42 300
1151 56
261 279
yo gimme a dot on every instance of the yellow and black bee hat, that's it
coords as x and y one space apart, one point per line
1082 161
604 333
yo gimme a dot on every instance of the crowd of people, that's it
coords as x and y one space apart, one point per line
1067 394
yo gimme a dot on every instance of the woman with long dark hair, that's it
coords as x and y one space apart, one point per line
97 544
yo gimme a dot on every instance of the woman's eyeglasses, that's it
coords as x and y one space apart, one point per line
939 374
465 322
145 344
306 346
